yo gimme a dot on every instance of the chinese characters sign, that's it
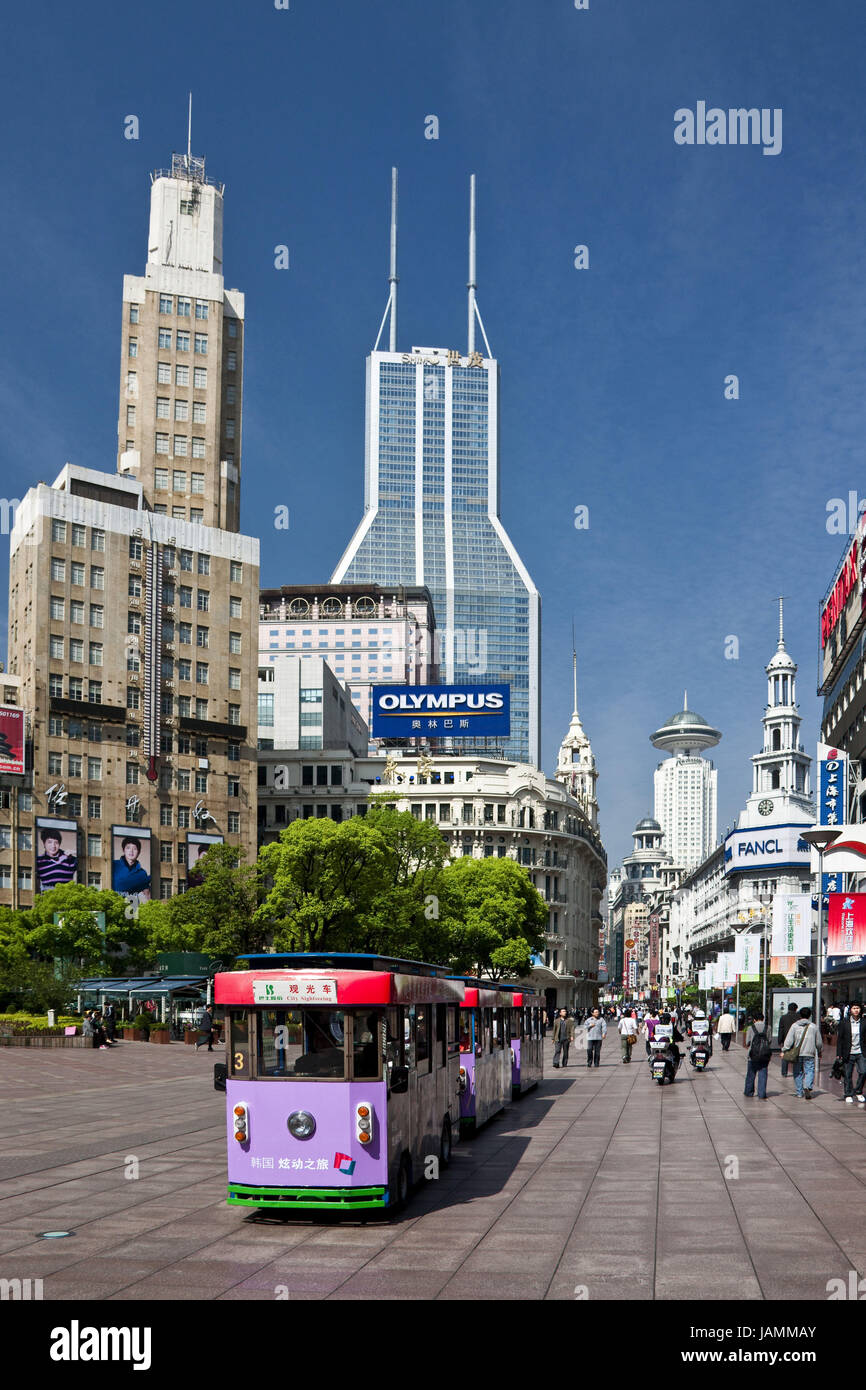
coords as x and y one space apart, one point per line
792 924
298 991
846 935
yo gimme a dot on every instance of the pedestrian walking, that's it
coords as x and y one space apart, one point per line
804 1047
785 1024
596 1031
725 1029
758 1057
628 1035
110 1021
649 1028
563 1037
850 1043
205 1028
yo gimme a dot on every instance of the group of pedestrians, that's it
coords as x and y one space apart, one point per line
100 1026
595 1030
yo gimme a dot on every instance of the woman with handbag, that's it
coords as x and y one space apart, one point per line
804 1047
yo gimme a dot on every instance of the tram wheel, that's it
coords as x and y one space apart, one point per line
404 1182
445 1144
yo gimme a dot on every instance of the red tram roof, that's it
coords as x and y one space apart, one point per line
475 998
353 988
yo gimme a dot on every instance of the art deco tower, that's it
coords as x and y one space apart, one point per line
179 425
686 787
431 510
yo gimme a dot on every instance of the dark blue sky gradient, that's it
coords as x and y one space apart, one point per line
704 261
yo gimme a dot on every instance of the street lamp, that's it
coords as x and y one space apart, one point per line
820 836
766 902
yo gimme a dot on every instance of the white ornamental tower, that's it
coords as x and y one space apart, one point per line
686 786
575 766
780 772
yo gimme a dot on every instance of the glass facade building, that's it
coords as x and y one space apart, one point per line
431 516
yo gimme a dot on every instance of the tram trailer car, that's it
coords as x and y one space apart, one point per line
485 1054
527 1040
341 1083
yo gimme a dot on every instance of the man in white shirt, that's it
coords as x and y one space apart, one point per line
628 1030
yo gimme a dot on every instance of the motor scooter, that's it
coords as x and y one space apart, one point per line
662 1069
699 1054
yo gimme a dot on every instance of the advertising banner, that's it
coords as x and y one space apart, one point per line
728 964
792 925
832 785
784 965
445 711
846 934
747 954
11 740
653 920
56 853
130 862
766 847
196 846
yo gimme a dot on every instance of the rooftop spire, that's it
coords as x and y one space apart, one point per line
189 132
685 699
780 602
472 283
574 662
391 306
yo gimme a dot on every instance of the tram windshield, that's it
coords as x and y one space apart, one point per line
315 1043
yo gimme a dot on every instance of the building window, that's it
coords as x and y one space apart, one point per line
266 711
197 483
166 304
94 769
204 564
201 673
164 338
198 450
231 361
234 678
235 607
185 596
133 697
235 643
199 412
184 308
200 309
162 443
55 764
203 602
58 528
58 570
55 648
160 479
234 714
182 342
94 692
234 822
95 653
200 378
230 429
201 783
57 609
133 347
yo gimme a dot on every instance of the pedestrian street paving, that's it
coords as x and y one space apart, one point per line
599 1185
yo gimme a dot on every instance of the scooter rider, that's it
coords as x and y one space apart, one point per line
700 1032
666 1030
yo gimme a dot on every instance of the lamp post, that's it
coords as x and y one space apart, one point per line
820 836
766 902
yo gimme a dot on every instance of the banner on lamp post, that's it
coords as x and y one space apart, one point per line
792 924
747 954
783 965
846 934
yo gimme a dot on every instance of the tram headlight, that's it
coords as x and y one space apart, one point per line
364 1122
302 1125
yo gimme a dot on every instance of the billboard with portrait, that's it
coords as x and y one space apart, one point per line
196 846
131 862
56 853
11 740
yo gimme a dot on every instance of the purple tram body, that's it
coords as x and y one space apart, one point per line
527 1040
485 1054
342 1083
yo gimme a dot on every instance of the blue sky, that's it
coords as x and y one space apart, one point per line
704 261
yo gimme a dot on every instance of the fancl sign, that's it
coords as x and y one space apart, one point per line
766 847
441 711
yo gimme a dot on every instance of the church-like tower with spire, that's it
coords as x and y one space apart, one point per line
575 766
781 771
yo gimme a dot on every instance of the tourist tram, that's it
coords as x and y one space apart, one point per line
342 1078
346 1074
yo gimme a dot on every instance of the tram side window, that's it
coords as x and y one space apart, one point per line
488 1030
453 1025
441 1036
479 1033
409 1035
239 1032
394 1038
367 1045
465 1030
422 1037
498 1026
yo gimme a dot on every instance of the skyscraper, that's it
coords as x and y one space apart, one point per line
431 510
686 787
133 598
179 425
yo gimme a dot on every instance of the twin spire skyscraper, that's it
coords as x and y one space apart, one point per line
431 508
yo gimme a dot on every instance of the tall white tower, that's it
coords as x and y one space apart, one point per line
575 766
780 772
686 787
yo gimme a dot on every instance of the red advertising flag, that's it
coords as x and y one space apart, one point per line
846 935
11 740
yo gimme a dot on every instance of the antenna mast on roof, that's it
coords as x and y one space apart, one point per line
391 306
472 284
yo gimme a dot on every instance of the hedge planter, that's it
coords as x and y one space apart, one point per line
160 1035
190 1035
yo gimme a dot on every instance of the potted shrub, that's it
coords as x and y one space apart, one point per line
159 1033
141 1026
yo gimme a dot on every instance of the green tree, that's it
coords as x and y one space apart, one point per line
217 915
496 916
75 938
